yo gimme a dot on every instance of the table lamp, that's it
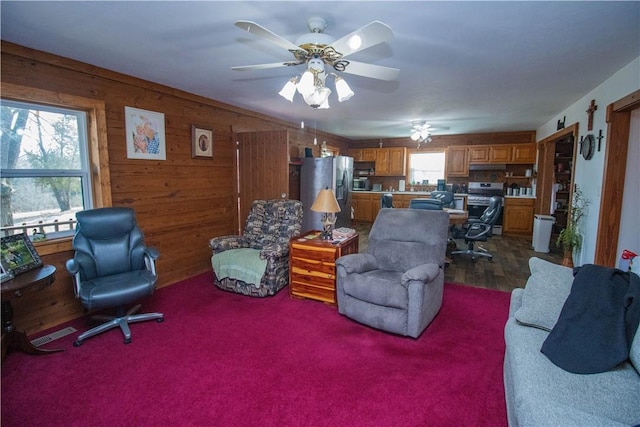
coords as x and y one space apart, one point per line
327 204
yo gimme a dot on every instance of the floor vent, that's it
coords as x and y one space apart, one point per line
53 336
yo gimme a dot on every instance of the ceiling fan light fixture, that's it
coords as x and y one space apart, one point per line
289 90
319 98
415 136
343 90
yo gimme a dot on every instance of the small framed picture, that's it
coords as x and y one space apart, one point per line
201 142
18 254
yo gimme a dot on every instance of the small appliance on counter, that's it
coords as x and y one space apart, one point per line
361 184
377 187
401 185
442 185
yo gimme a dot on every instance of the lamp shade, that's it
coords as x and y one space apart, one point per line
343 89
289 90
306 84
325 202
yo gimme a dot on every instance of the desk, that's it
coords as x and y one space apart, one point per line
457 216
37 278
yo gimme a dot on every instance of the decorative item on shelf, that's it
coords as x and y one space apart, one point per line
570 238
327 204
561 123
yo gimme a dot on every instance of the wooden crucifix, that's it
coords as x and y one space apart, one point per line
592 108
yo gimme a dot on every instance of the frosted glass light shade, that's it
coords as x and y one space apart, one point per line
289 90
306 85
343 89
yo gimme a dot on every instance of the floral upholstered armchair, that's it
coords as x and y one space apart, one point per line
257 262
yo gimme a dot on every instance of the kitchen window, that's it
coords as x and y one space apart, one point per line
426 167
44 168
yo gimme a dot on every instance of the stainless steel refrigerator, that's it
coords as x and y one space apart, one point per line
317 173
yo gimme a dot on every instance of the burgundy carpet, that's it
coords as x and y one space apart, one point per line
229 360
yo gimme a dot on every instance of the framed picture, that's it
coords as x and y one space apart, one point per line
144 132
18 254
201 142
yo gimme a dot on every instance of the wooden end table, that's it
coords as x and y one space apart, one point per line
37 278
312 265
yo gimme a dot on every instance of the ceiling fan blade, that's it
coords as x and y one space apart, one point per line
372 71
371 34
260 31
266 66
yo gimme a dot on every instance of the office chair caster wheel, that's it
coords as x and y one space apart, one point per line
474 260
78 343
160 320
127 340
490 258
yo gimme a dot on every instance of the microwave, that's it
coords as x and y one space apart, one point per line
361 184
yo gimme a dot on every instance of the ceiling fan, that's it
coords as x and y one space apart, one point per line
317 49
421 131
318 45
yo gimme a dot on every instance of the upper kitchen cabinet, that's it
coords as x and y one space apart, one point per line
503 153
363 154
457 161
391 161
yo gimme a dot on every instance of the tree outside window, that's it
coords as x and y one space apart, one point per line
44 164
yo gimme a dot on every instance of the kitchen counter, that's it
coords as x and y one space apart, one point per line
412 193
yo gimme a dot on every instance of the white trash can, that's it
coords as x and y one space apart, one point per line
542 225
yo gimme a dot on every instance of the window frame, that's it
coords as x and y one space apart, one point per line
97 149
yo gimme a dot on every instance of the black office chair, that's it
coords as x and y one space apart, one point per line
386 200
445 197
430 204
112 268
478 230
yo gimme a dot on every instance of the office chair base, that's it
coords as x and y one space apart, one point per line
118 321
480 252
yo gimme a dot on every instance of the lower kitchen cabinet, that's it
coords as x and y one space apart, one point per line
518 216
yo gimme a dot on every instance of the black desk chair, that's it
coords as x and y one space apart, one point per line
386 200
445 197
478 230
112 268
429 204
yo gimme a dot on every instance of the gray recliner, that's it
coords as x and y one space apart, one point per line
397 285
112 268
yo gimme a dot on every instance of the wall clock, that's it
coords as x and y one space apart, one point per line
588 146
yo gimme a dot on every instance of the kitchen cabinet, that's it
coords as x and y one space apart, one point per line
363 154
457 161
391 161
479 154
518 216
362 209
503 153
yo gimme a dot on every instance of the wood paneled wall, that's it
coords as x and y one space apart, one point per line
180 203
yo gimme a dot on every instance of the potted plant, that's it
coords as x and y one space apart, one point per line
570 238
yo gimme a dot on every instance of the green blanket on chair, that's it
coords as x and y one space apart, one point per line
240 264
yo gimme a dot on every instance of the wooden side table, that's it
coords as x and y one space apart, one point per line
312 265
37 278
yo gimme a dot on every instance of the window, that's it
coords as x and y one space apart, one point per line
426 167
44 167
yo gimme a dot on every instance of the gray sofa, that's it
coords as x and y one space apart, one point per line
539 393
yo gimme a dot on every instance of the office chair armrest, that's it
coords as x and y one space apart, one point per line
424 273
223 243
357 263
73 267
152 252
274 250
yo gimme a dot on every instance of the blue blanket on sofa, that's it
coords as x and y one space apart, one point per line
598 321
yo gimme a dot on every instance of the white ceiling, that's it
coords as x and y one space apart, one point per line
466 66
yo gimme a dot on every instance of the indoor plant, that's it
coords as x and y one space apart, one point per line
570 238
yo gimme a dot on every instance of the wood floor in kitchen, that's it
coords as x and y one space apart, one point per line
509 268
